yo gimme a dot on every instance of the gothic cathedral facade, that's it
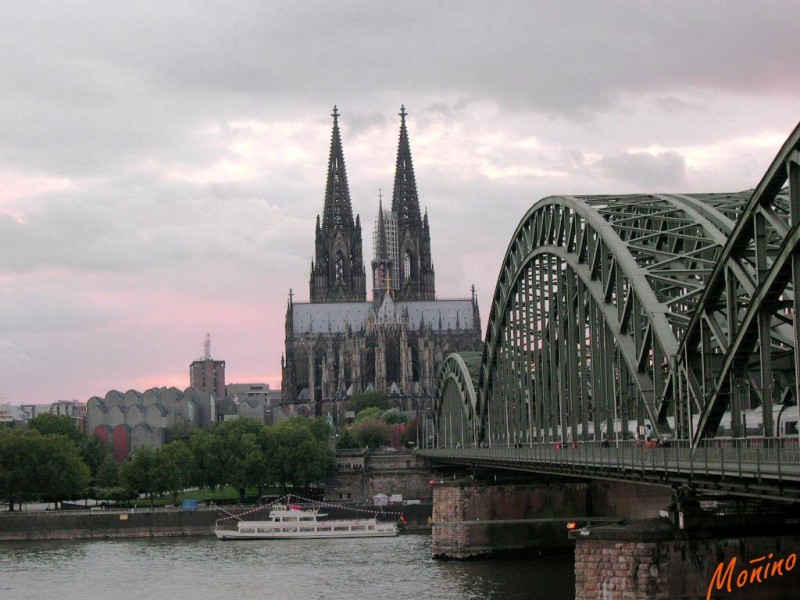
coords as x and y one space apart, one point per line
341 343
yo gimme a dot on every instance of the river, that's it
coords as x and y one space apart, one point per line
204 568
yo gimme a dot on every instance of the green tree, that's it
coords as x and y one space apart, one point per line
360 401
138 475
48 424
372 412
35 466
372 433
108 473
346 440
16 482
230 454
294 455
58 470
320 428
393 416
174 467
95 452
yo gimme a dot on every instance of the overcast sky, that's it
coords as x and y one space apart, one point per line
162 163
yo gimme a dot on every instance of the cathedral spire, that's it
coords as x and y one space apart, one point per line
405 201
337 211
381 261
382 247
415 266
338 269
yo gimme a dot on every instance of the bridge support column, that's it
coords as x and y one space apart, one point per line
478 520
655 560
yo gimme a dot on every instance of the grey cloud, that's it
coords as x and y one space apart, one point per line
660 172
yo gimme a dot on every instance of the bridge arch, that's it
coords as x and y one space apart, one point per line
456 403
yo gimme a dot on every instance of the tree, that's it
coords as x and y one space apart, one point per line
139 474
95 452
393 416
229 453
360 401
294 455
58 470
372 412
174 467
346 440
108 473
48 424
372 432
15 474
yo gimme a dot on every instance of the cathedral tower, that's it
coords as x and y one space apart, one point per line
414 263
337 272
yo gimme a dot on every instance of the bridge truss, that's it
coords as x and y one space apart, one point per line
672 315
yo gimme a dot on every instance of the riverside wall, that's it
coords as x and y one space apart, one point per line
360 474
137 523
149 523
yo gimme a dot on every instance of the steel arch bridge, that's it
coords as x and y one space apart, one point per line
615 318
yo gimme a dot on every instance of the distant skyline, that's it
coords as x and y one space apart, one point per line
162 164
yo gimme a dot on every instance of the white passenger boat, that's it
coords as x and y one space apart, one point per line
292 522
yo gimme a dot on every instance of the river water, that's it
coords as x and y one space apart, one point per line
204 568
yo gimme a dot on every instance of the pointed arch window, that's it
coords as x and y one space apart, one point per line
408 265
339 267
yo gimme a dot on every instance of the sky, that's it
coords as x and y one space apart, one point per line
162 163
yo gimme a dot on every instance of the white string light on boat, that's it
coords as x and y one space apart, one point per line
288 498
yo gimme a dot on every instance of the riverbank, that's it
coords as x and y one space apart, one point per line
146 523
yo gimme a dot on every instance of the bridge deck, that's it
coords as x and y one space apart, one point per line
765 472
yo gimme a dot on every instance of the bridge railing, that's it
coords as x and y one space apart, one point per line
746 462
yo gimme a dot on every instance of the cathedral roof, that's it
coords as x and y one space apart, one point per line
336 317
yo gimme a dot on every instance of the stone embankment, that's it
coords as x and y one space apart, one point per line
147 523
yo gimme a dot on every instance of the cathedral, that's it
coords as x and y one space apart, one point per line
341 343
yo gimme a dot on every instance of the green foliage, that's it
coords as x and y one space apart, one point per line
48 424
230 454
94 452
372 412
107 473
320 428
393 416
174 467
346 441
58 469
35 466
372 433
295 456
179 431
139 474
359 402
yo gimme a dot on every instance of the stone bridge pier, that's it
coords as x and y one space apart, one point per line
474 519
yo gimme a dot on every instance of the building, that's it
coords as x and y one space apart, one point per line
127 421
207 374
252 400
340 342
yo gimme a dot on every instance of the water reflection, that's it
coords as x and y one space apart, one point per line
204 569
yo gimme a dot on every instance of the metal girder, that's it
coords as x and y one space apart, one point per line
765 240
